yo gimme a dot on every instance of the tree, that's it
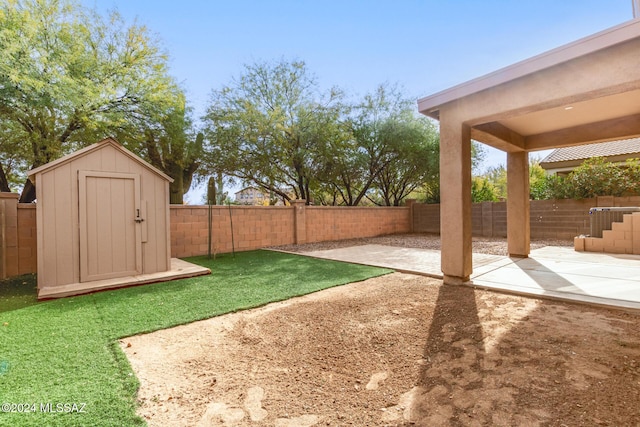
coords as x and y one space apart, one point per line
265 127
367 152
12 156
389 151
478 155
167 139
537 180
68 77
482 190
416 148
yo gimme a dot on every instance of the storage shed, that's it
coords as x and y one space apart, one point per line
102 217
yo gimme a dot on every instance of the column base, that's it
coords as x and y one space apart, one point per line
518 256
454 280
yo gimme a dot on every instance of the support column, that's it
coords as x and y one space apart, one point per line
518 227
300 221
455 200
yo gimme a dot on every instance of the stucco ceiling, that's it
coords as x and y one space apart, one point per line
576 114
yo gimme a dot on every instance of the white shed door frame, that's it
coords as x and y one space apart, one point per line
110 231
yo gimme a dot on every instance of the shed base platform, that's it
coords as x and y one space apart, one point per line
180 269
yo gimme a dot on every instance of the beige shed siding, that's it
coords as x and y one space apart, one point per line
60 227
154 194
58 213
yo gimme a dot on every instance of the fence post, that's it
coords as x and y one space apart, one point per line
8 235
410 203
487 219
300 222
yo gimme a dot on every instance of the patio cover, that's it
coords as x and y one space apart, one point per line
584 92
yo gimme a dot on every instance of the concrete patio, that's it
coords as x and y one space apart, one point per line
550 272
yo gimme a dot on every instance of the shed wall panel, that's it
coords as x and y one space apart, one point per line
65 220
47 198
58 216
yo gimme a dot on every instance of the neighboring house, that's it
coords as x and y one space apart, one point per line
252 196
562 161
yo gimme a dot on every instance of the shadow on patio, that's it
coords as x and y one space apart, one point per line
550 272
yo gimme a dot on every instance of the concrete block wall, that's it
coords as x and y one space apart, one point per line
561 219
623 238
254 227
426 218
549 219
325 223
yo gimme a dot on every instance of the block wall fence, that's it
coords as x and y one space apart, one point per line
549 219
256 227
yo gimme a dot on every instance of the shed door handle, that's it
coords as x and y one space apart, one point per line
138 219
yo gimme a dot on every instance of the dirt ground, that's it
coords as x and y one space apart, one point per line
396 350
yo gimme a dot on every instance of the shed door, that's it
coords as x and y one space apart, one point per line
110 236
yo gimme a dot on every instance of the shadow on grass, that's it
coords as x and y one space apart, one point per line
18 292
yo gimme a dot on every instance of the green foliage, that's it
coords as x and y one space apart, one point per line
13 155
541 185
269 126
482 190
556 188
272 129
416 147
537 180
478 154
66 350
350 169
430 192
389 154
597 177
68 77
497 176
167 140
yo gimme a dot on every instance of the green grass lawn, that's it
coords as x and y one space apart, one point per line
18 292
66 350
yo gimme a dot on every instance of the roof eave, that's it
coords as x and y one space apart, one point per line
430 105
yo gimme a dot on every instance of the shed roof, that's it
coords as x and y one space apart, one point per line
93 147
601 149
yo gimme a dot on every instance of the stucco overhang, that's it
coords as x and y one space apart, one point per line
586 91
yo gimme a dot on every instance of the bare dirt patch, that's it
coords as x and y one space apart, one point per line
396 350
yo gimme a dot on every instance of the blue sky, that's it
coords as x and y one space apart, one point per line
425 46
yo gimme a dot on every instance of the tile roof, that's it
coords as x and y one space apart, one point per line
600 149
